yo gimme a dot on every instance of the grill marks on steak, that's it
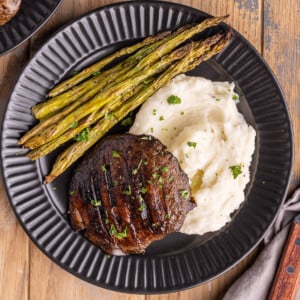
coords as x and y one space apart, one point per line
128 192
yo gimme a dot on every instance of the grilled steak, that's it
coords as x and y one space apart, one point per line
8 8
128 192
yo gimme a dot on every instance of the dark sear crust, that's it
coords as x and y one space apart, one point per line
128 192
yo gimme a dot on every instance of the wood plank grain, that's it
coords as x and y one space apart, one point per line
244 15
14 245
49 282
281 50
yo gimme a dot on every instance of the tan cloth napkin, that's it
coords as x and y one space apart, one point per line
256 282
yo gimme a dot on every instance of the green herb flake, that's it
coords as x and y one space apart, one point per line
106 221
154 111
96 73
151 129
192 144
142 207
160 180
155 175
74 72
236 170
127 121
119 235
134 171
184 194
218 99
173 100
142 204
127 192
83 136
171 179
71 193
144 190
164 169
115 154
103 168
235 97
161 118
54 188
95 202
182 113
108 116
74 124
149 182
168 216
146 138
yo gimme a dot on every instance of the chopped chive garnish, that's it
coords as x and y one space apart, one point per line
74 124
119 235
235 97
127 192
192 144
96 73
115 154
161 118
184 194
236 170
174 99
95 202
149 138
164 169
83 136
134 171
171 179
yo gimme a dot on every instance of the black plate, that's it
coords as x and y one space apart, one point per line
31 16
179 261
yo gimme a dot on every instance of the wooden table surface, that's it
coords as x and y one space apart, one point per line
272 26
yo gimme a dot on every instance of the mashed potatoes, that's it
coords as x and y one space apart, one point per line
201 126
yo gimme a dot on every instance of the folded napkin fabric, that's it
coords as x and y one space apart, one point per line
256 282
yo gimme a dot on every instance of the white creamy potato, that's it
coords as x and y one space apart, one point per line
201 126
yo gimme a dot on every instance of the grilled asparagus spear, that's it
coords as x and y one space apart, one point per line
99 65
190 61
67 84
98 81
117 93
162 44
